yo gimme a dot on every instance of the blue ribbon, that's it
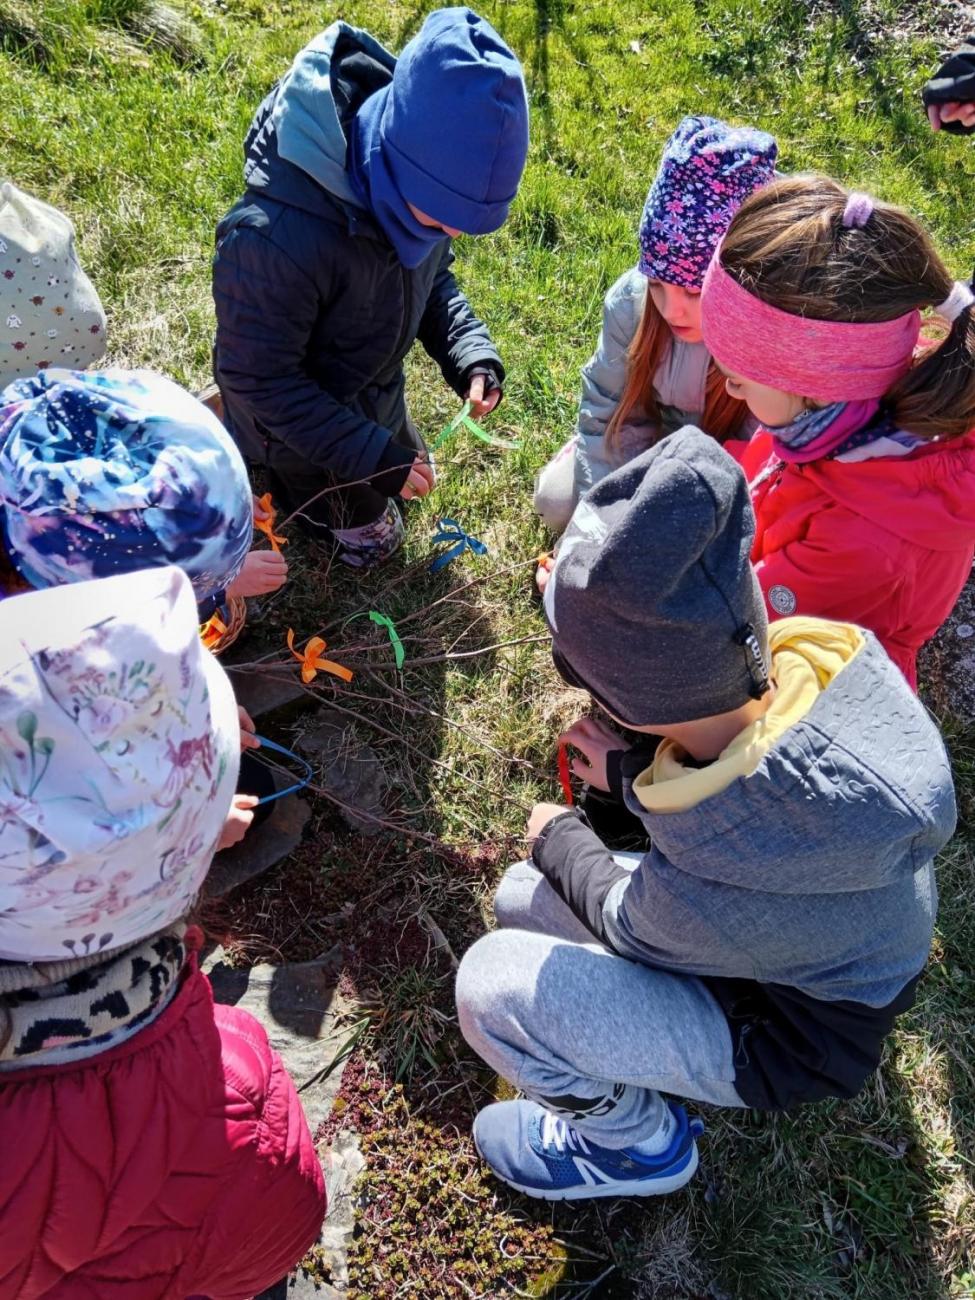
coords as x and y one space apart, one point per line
288 753
449 530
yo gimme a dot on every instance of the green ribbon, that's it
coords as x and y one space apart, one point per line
381 620
462 420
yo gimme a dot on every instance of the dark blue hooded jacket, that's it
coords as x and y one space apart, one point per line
315 313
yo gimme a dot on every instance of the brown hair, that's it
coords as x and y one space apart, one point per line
723 414
788 246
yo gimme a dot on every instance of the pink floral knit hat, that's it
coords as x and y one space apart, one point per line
707 171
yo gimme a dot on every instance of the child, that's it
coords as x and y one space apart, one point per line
759 953
949 96
863 480
50 314
360 170
650 373
153 1144
106 471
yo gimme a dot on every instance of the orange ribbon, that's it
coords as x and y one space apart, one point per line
311 663
212 630
266 526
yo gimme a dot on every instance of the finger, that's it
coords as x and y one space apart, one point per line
476 391
583 729
249 741
259 511
581 769
542 576
949 111
967 117
934 116
491 401
244 802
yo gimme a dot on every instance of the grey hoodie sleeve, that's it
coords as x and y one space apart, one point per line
604 379
453 335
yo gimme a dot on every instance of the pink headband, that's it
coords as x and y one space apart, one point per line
831 361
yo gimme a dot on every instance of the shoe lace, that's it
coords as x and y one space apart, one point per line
558 1135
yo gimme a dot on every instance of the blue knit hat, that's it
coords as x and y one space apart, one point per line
455 122
707 171
104 472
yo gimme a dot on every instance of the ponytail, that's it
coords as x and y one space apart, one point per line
723 414
789 246
936 398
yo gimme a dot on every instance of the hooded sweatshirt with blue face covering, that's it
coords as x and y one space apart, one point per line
323 278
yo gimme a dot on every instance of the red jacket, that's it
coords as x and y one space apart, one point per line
883 543
176 1164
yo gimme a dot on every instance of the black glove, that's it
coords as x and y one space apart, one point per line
954 81
492 379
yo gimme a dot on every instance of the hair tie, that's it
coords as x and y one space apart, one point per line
857 212
958 300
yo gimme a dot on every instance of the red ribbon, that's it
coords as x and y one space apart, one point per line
565 774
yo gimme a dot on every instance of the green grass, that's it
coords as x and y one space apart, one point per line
132 118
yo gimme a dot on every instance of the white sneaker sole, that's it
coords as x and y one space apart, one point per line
589 1192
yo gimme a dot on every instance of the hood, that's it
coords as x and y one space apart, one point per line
121 747
298 141
927 499
849 797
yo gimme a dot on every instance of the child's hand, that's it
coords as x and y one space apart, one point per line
595 741
546 563
540 817
481 405
259 511
953 111
422 479
263 571
248 737
238 821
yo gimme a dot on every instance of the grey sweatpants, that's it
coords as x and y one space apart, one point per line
582 1030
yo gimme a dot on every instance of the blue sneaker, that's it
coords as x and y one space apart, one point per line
541 1155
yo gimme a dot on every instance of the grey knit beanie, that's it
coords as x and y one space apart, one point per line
653 603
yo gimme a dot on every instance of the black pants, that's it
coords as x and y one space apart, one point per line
295 481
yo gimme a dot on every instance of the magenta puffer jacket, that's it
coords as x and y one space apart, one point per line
177 1164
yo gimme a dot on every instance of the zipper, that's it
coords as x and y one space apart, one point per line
776 468
407 311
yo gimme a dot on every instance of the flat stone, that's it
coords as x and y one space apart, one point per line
946 666
328 1258
306 1018
261 848
308 1023
349 770
263 692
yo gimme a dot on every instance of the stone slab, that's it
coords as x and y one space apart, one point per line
261 848
263 692
346 768
308 1022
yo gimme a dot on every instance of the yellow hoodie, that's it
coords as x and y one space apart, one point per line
807 653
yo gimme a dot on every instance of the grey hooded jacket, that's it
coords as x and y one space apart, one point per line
804 894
